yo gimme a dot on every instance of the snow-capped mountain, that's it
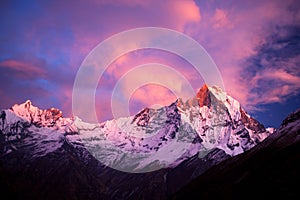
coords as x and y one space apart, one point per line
26 124
186 136
158 138
167 136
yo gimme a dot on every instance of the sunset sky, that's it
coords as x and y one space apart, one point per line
255 44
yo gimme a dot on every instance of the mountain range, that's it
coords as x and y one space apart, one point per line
202 147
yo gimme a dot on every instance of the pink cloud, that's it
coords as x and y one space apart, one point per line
131 61
130 3
279 75
24 69
183 13
220 19
289 84
128 61
152 95
275 95
170 14
282 86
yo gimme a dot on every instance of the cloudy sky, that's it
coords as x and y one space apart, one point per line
255 45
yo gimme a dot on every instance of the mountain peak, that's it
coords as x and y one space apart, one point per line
33 114
27 104
203 96
25 110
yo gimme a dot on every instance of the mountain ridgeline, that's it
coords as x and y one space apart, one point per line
155 154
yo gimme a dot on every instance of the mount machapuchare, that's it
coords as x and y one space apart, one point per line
151 155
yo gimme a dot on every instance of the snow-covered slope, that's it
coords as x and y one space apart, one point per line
31 125
153 139
150 140
164 137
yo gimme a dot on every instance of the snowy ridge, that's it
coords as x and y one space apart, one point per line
40 140
171 134
25 125
152 139
134 143
51 118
